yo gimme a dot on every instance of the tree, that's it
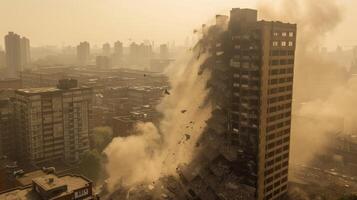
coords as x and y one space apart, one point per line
90 164
101 137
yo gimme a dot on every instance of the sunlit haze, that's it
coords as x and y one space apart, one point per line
67 22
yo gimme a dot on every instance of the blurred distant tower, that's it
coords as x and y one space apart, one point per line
118 54
164 51
83 53
353 69
118 48
25 52
106 49
13 54
2 59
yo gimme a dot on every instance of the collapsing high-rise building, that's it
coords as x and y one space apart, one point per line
244 151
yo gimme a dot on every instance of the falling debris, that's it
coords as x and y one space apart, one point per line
183 111
167 92
187 136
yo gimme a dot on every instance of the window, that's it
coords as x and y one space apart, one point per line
275 43
291 34
283 34
283 43
276 34
275 53
291 43
275 62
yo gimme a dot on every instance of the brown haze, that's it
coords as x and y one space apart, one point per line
323 98
154 152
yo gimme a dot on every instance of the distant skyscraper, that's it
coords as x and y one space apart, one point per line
83 53
13 54
106 49
118 48
103 62
117 58
164 51
2 59
25 52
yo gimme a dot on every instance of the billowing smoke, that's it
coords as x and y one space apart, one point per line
153 152
323 96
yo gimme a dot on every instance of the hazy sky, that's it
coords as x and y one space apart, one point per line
67 22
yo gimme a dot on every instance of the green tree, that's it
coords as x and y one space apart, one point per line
90 165
101 137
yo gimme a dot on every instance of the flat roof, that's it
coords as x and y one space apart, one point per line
46 184
27 178
73 182
38 90
47 90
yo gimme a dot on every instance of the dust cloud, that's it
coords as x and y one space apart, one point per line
153 152
323 94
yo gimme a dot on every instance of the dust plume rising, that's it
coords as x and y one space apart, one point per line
320 83
153 152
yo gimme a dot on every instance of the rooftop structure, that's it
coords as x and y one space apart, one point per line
51 186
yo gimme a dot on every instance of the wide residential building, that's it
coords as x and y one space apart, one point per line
247 140
262 60
53 123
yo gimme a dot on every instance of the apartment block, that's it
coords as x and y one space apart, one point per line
53 123
7 131
262 61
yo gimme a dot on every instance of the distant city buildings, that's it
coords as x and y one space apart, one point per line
118 48
118 55
2 59
106 49
53 123
164 51
103 62
25 52
17 53
140 55
83 53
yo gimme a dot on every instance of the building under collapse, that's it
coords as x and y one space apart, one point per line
244 151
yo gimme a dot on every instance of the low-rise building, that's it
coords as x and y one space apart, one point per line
51 186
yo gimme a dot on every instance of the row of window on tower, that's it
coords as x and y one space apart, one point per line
283 43
283 34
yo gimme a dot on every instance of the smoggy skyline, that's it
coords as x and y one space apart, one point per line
68 22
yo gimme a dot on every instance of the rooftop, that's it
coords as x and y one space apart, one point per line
45 90
47 182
